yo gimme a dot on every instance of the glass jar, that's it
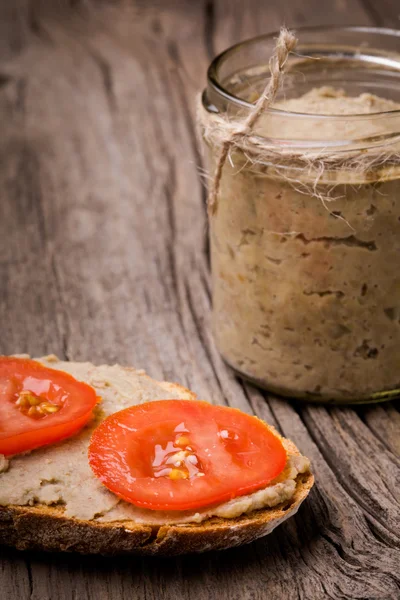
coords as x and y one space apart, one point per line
305 241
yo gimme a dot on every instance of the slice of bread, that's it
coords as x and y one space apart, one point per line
46 526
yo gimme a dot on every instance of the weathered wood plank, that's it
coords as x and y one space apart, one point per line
103 257
384 421
232 23
15 580
383 14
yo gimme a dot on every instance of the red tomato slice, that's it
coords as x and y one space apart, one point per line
39 406
184 454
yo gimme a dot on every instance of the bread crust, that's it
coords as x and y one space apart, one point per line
46 528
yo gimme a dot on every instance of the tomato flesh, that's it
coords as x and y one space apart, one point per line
184 454
39 405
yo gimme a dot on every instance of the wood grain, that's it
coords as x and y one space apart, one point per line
103 256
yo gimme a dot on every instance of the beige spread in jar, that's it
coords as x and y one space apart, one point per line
306 286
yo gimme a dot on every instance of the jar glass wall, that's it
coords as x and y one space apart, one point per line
306 255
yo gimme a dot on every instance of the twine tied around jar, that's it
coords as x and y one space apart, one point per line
372 159
285 43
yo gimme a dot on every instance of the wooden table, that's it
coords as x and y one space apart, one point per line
104 257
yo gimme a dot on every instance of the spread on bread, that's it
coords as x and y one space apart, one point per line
141 455
208 480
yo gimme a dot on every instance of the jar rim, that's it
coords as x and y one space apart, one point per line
219 89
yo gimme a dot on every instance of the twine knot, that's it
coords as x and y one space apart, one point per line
285 43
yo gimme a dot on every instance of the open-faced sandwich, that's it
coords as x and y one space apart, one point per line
103 459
